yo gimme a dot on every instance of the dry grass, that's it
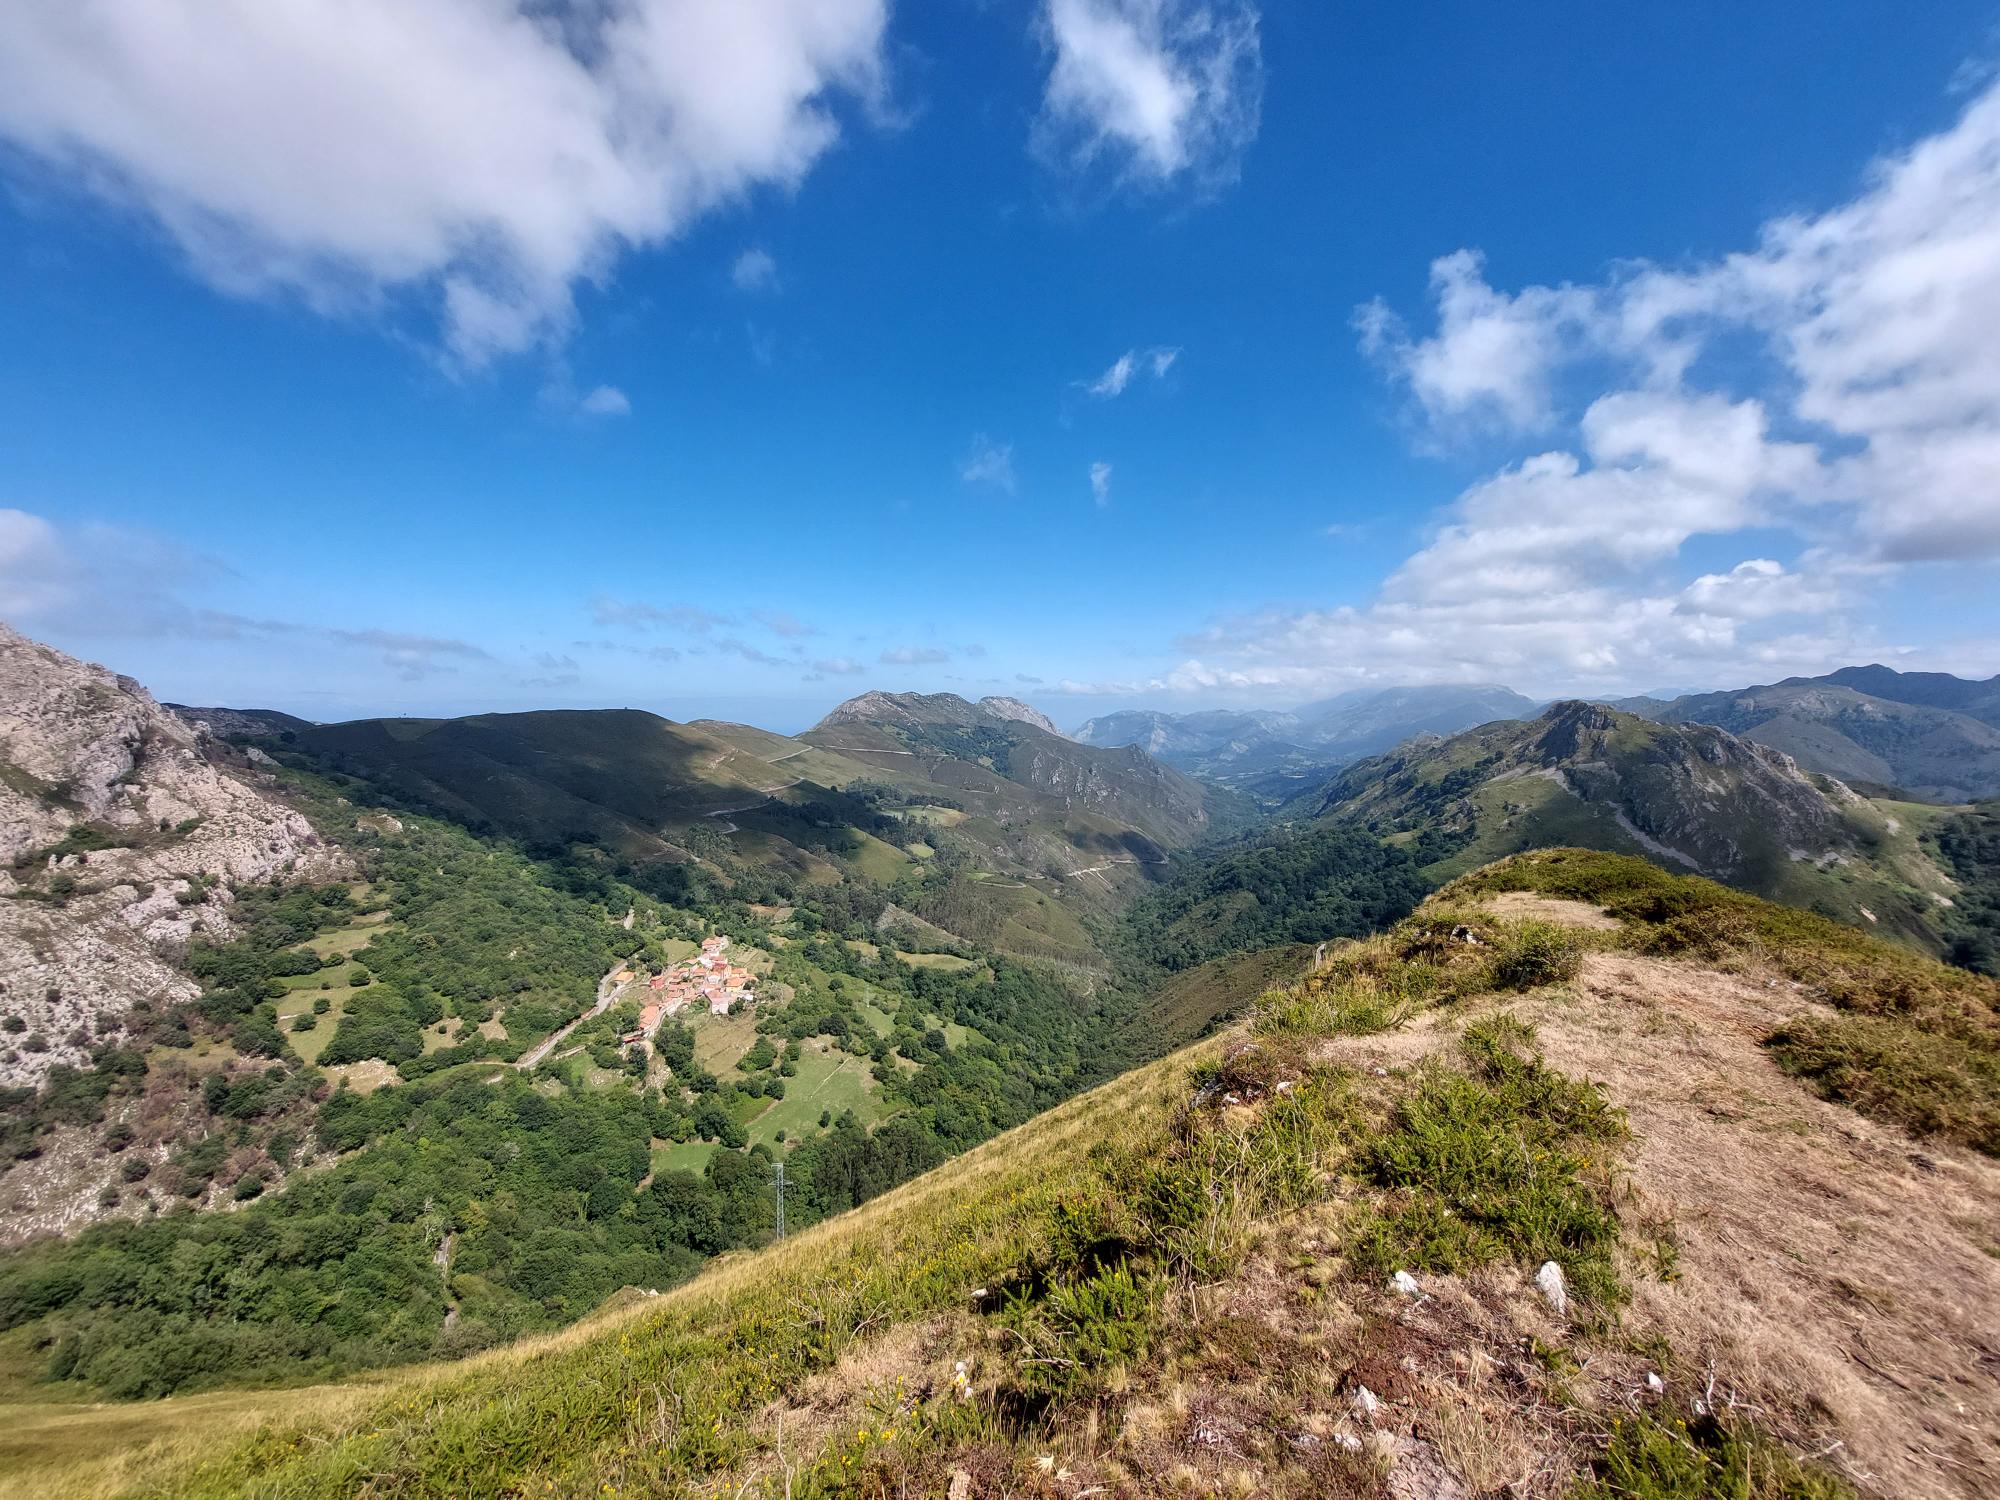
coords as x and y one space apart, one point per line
1831 1274
1516 905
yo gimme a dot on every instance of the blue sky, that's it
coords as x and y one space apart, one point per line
728 360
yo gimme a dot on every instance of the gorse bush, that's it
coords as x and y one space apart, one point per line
1663 1457
1502 1161
1533 954
1074 1332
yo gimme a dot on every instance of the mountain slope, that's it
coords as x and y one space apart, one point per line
123 833
1016 772
987 823
621 775
1181 1281
1979 700
1690 795
1930 734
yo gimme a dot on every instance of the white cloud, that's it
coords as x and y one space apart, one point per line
1153 91
1118 375
631 614
914 656
1833 392
988 463
1100 483
754 271
487 154
1114 380
1878 314
605 401
837 666
1492 354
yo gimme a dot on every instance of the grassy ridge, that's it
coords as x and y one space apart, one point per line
1900 1036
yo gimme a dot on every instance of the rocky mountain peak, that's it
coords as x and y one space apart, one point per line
878 707
1023 713
123 833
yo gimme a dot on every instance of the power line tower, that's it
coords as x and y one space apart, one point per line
781 1199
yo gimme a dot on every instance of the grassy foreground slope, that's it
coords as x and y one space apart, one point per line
1756 1147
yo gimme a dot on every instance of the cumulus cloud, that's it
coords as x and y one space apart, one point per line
754 271
837 666
1877 314
1153 92
1492 355
1558 572
1100 483
988 463
914 656
1864 430
485 155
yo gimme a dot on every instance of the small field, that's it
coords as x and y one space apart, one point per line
828 1079
682 1156
946 961
302 991
720 1040
876 860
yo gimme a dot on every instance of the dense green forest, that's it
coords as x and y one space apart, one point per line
1968 845
1300 886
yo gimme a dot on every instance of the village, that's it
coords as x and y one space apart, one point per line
709 976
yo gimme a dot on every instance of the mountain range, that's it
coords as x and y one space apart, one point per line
1272 755
360 1029
1932 736
1925 736
1689 796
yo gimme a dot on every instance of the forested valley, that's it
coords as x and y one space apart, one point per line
338 1159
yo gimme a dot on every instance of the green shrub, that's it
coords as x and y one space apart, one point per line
1929 1083
1496 1163
1533 954
1654 1458
1075 1332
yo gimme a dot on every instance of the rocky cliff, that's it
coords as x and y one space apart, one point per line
123 833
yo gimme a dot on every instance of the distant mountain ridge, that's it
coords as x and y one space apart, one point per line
1016 745
1932 735
1276 754
1688 796
252 723
1032 829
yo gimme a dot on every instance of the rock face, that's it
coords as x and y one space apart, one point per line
121 837
1021 713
